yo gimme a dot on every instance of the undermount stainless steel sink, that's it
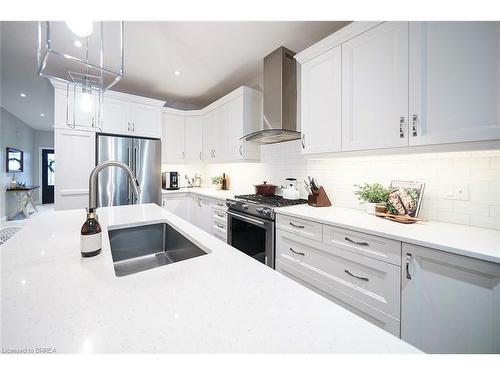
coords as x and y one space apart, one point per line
142 247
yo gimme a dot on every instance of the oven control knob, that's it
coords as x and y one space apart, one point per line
260 210
266 212
244 206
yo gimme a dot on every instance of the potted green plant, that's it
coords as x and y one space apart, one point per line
217 182
373 195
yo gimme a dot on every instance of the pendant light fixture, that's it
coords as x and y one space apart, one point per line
85 70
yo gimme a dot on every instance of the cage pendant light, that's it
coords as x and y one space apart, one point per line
77 59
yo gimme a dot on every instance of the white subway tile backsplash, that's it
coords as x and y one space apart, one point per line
479 170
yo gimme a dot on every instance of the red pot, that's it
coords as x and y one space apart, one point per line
265 189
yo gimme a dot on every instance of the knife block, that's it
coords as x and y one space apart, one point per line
319 198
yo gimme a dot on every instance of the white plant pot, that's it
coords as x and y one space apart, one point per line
370 208
217 186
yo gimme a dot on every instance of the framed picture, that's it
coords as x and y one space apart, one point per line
14 160
405 197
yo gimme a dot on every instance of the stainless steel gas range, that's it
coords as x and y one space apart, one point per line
251 224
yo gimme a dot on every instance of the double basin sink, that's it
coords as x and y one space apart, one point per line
142 247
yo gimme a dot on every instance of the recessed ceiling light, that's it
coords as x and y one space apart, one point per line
177 73
42 114
77 43
22 95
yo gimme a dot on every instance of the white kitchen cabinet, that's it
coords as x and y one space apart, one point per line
75 152
321 103
237 114
122 114
130 118
454 89
116 116
200 212
178 204
67 115
375 88
209 135
243 116
172 138
146 120
193 139
219 220
357 271
450 303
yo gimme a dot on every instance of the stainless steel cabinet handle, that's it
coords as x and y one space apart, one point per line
200 155
401 127
220 226
241 154
296 226
93 122
356 242
133 126
220 215
414 125
220 204
356 277
408 260
303 141
297 252
128 126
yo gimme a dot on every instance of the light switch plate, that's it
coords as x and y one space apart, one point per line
459 192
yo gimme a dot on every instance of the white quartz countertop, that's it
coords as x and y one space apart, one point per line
475 242
206 192
220 302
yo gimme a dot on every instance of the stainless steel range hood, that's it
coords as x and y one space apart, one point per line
280 99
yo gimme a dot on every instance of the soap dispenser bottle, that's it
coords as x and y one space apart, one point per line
91 236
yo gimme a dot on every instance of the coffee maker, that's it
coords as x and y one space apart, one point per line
170 180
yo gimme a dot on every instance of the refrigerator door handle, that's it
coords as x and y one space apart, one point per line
129 164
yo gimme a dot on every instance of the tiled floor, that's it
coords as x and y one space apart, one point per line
21 220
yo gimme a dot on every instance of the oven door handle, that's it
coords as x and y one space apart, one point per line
248 219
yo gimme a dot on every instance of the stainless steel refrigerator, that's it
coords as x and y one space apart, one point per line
142 155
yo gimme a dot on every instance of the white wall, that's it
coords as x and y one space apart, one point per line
480 170
17 134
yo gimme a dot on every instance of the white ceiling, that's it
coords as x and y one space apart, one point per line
213 57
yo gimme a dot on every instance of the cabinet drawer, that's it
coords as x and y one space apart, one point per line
370 281
220 205
365 244
219 216
305 228
219 230
371 314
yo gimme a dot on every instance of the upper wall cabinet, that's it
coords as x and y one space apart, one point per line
172 138
131 118
454 85
403 84
122 114
375 88
320 103
229 119
193 139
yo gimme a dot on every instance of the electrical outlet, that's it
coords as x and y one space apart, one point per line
459 192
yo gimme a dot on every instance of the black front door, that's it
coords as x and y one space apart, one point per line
48 176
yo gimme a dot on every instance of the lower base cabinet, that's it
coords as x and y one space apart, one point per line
450 303
206 213
438 302
363 285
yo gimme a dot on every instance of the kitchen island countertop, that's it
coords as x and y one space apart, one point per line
220 302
